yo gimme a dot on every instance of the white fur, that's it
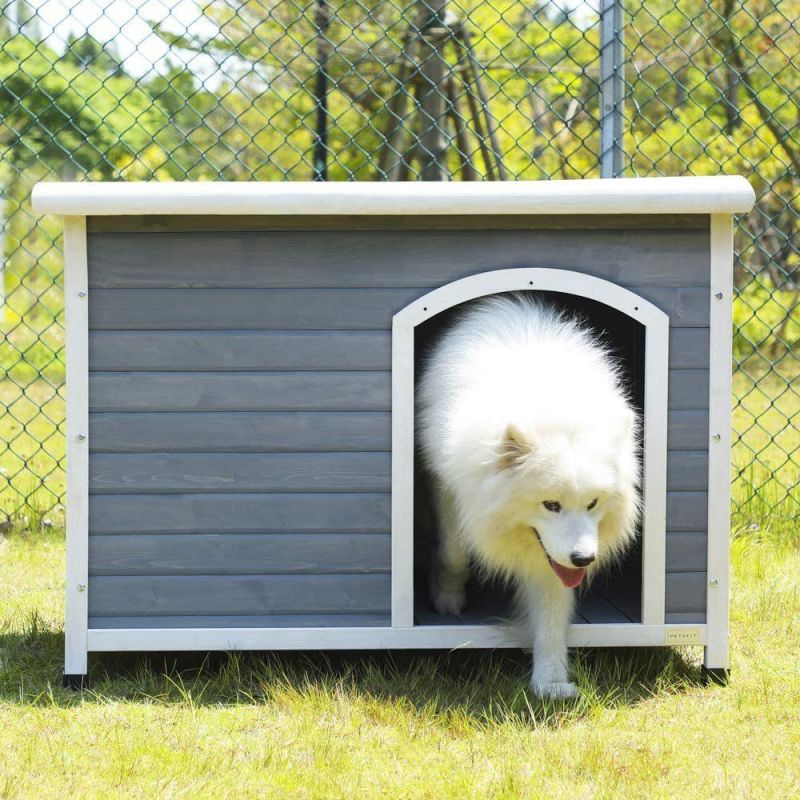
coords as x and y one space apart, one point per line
518 405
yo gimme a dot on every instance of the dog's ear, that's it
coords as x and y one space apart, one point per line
514 448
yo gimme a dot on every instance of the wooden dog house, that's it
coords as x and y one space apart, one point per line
240 401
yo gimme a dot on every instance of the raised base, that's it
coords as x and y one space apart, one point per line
717 675
75 682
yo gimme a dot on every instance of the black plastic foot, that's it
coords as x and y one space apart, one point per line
717 675
75 682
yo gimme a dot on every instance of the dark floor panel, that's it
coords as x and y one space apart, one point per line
490 604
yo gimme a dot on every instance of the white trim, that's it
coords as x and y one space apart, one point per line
654 474
690 195
719 449
77 513
422 637
402 488
656 323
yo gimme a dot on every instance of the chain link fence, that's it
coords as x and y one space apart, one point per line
400 90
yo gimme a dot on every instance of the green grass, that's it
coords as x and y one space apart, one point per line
402 725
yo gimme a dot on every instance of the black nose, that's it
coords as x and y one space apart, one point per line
581 560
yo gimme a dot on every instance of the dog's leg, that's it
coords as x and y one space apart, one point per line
549 607
451 565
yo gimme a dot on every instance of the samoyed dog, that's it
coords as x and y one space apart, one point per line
532 446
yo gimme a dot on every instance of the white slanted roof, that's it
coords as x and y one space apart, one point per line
691 195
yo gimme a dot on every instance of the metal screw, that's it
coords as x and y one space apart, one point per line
81 294
81 437
713 582
716 437
81 587
718 295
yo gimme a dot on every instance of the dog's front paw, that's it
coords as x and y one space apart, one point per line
554 690
451 601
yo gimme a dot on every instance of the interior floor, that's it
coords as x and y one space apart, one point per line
487 605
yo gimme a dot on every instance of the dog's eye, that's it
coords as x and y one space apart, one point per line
591 505
552 505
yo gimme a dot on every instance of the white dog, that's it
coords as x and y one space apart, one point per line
532 445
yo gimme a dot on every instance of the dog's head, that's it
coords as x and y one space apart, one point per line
574 488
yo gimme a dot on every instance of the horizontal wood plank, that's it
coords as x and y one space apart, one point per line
687 511
159 223
220 432
239 391
240 513
687 551
261 309
594 608
204 350
247 621
687 618
688 348
239 554
686 308
179 595
688 429
688 389
157 473
308 309
687 469
381 258
686 592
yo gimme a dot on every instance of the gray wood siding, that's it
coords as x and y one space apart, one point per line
381 258
244 432
165 473
239 554
136 595
240 399
307 309
240 391
325 620
301 513
214 351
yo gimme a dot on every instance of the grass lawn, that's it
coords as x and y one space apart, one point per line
401 725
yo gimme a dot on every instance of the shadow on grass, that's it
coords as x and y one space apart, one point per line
485 686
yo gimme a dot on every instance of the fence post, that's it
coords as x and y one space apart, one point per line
322 18
433 139
612 88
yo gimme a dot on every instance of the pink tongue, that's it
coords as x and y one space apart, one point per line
569 576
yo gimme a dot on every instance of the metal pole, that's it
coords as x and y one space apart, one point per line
612 88
432 133
320 157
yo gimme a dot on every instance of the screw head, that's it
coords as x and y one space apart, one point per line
81 294
81 437
713 582
81 587
718 295
716 437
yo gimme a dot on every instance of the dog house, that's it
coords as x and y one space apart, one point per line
241 362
